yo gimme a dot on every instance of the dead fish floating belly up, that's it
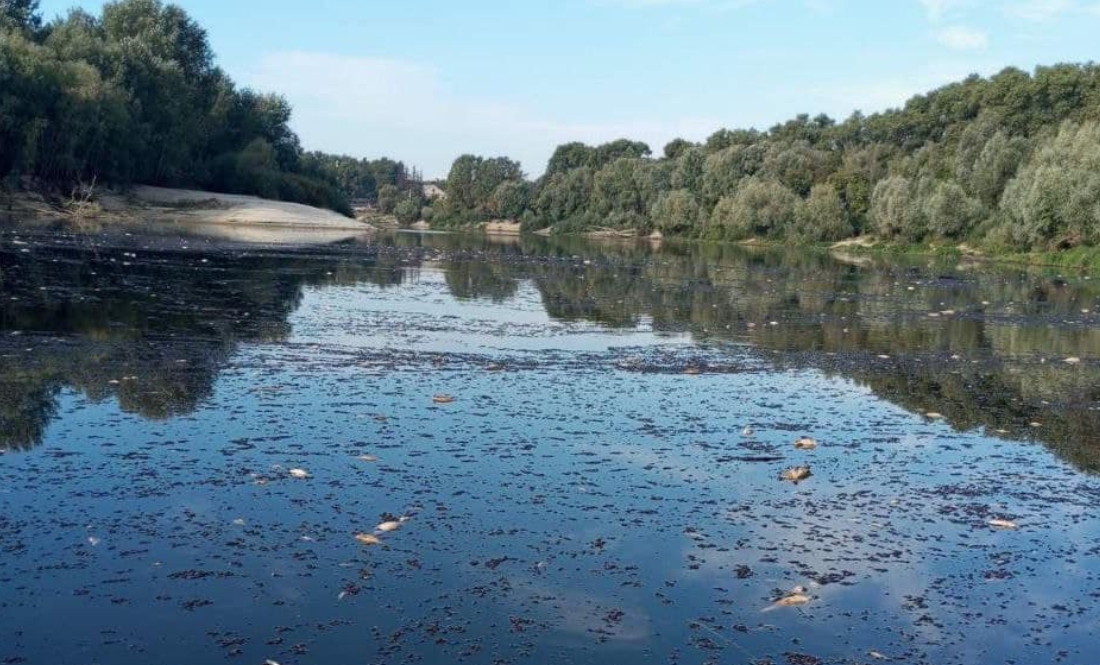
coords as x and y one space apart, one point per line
796 474
300 474
805 443
443 399
1004 525
796 598
367 539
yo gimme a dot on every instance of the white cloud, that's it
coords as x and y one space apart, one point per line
937 9
961 38
374 107
1040 10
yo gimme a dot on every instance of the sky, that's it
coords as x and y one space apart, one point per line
425 81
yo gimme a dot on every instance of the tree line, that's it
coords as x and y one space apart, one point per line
1011 161
133 95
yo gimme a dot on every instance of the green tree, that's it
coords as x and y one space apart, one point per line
759 209
387 198
676 211
1055 199
20 15
822 216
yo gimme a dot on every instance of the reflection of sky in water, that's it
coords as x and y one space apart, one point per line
583 500
424 316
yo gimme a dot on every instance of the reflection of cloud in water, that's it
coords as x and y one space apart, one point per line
583 616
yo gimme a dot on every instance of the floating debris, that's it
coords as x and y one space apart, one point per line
796 474
796 598
368 539
805 443
747 432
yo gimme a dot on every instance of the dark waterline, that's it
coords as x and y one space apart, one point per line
590 496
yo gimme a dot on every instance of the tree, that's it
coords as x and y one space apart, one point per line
20 15
407 209
387 199
570 156
822 216
759 209
677 147
1055 199
676 211
949 212
895 210
509 199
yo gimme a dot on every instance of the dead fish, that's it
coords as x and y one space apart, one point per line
796 474
443 399
1007 525
300 474
368 458
805 443
796 598
367 539
793 600
748 431
93 541
1072 361
270 662
877 655
386 527
693 371
932 415
239 522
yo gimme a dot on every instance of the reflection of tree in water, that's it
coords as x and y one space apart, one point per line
173 322
152 334
481 279
978 365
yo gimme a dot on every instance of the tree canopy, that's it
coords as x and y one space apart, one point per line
134 95
1010 160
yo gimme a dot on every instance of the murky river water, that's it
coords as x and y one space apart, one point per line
603 488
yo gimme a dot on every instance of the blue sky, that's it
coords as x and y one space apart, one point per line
427 80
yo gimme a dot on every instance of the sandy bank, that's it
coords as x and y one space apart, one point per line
143 204
502 227
190 206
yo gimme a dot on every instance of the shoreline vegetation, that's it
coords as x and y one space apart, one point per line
1005 167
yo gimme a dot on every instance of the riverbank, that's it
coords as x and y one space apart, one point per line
144 204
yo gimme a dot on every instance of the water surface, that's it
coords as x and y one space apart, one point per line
604 488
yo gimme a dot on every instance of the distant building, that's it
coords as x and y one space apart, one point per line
433 191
